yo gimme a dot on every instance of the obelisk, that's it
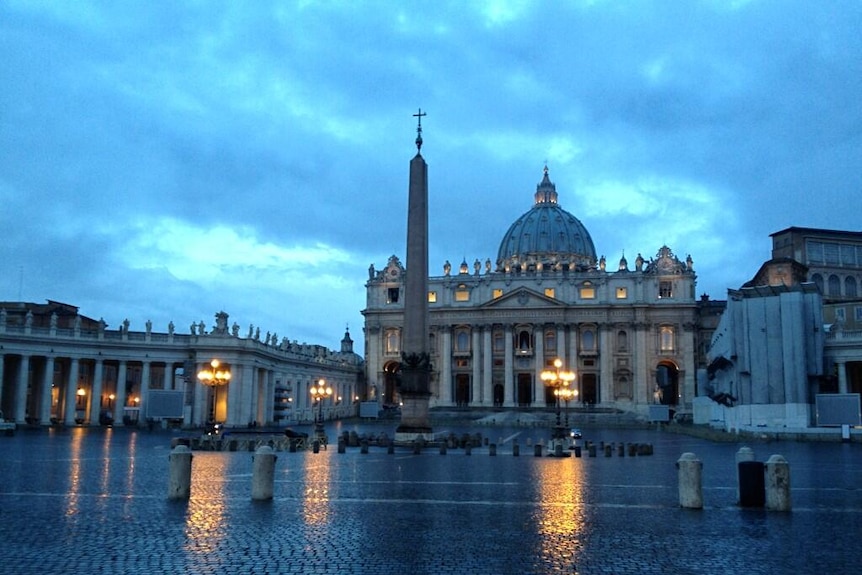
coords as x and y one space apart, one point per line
414 384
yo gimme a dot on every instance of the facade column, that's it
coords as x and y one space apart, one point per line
46 396
476 380
842 376
572 346
539 397
444 393
487 365
509 381
2 364
71 392
21 390
120 400
96 393
562 352
144 392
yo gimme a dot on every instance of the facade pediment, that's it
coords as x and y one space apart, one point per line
522 298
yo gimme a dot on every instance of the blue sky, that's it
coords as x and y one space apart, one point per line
166 160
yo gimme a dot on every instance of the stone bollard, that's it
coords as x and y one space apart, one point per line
608 450
537 450
180 481
315 446
592 450
690 487
621 450
558 449
492 449
633 449
263 473
342 446
516 449
777 484
443 448
468 449
577 450
744 454
363 447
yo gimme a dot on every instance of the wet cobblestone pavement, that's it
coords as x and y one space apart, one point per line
95 501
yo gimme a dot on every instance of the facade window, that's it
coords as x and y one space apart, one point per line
622 341
850 286
525 343
666 338
588 291
432 297
588 341
622 293
462 341
393 341
392 295
550 341
497 293
834 286
818 280
462 293
858 313
499 345
549 292
665 289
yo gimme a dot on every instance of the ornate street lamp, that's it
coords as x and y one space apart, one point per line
558 379
214 377
318 394
567 394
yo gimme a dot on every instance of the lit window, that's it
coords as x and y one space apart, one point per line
498 293
549 292
622 293
392 295
665 289
432 297
588 291
666 338
462 293
393 342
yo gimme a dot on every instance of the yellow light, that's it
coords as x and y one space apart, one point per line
81 392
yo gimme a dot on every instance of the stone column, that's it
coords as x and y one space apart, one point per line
21 389
476 362
509 366
46 395
144 393
487 365
96 393
2 363
562 353
539 397
842 377
120 400
445 392
71 392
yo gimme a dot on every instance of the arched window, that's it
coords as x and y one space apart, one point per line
588 340
499 345
818 280
524 341
850 286
666 338
622 340
462 341
393 341
550 341
834 286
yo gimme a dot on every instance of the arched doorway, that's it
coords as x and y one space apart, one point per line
462 390
499 395
666 390
525 389
589 389
390 383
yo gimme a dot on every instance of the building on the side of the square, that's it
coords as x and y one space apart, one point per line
57 366
630 332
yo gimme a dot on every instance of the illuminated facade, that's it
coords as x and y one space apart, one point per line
630 334
57 366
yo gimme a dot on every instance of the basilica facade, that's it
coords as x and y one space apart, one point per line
631 333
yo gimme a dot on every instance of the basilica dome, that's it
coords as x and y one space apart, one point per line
547 237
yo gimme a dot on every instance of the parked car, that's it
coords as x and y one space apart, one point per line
575 433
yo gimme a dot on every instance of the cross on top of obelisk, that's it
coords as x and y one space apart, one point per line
419 129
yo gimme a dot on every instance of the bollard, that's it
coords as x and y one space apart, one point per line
608 450
315 447
558 449
516 449
777 484
577 450
492 449
745 453
363 447
690 487
443 448
592 450
468 449
537 450
621 450
179 484
263 473
342 446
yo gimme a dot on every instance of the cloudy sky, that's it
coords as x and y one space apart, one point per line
164 160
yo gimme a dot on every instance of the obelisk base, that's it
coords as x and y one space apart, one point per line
414 418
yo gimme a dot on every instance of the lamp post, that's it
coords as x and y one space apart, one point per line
567 394
558 379
318 394
214 377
